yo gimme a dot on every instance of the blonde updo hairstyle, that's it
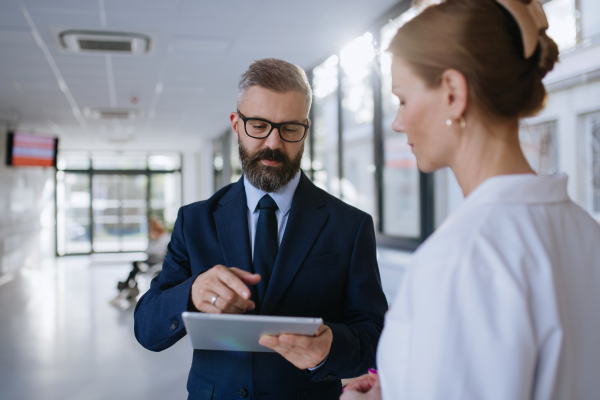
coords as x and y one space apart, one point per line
482 40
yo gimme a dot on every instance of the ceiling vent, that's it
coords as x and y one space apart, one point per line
77 41
121 114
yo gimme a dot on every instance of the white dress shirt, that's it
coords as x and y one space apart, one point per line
501 302
283 198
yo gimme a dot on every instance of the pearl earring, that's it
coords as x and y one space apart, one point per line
462 122
449 123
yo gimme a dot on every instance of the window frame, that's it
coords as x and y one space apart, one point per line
426 181
90 172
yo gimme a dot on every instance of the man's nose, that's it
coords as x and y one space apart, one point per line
274 140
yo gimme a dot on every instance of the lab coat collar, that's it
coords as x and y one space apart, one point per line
283 197
520 189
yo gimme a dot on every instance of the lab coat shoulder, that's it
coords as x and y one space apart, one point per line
460 283
470 242
499 241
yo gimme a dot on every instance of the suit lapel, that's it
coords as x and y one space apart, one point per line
302 229
231 220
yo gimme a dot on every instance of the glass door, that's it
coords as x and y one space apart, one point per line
73 213
120 212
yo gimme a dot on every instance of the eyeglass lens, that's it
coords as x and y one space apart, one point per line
260 129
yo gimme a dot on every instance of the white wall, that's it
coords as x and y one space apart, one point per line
572 95
26 213
590 13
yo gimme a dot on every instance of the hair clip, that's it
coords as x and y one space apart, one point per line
531 19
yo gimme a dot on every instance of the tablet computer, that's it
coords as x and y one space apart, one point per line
235 332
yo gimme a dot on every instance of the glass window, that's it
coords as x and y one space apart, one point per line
325 126
595 167
590 172
539 144
358 181
165 197
73 213
306 163
117 202
164 161
119 212
590 20
119 160
73 160
401 192
562 22
234 155
218 163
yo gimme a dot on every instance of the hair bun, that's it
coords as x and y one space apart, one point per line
548 54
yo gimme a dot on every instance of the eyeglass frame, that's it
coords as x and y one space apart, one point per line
273 126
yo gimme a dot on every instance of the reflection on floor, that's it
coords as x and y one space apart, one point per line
61 339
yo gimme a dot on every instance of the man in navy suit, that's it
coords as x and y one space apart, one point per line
272 244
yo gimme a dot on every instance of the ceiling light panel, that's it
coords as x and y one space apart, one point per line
79 41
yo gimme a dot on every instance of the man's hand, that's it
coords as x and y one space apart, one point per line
230 287
302 351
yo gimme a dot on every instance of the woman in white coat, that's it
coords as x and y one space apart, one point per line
503 300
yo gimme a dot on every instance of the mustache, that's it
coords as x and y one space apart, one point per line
270 155
264 177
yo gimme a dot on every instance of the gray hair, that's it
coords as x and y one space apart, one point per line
276 75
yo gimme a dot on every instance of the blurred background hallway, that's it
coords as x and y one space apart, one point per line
116 112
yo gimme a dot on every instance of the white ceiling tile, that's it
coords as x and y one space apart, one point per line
203 46
12 15
63 5
16 37
229 11
137 8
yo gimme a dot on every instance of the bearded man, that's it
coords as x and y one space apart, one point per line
271 244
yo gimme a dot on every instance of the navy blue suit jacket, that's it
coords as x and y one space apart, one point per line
326 267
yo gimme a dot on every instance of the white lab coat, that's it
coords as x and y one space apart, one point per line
501 302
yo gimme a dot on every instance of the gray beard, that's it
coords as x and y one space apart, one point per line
266 178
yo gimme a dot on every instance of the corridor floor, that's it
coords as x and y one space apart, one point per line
61 339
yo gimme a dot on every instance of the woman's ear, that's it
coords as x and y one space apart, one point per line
456 92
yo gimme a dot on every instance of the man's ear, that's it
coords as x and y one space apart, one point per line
456 93
234 119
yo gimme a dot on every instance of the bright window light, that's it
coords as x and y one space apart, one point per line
357 57
325 78
562 22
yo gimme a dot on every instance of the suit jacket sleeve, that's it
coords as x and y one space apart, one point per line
355 340
158 323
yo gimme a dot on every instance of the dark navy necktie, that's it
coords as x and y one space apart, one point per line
265 244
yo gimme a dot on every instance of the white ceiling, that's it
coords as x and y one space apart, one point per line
199 50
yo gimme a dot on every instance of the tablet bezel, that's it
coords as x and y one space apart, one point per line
235 332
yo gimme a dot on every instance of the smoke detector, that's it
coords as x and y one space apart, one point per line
123 114
79 41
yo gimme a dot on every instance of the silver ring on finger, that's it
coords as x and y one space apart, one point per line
213 300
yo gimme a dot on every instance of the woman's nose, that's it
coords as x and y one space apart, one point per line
398 124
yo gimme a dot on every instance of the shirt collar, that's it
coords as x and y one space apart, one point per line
520 189
283 197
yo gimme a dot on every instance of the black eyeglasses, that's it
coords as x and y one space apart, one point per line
259 128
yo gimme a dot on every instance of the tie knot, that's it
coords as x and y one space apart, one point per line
267 202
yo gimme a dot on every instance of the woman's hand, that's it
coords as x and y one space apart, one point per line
365 387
